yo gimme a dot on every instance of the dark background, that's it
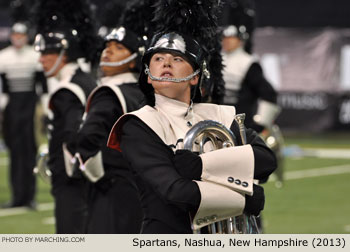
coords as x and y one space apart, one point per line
283 13
303 13
310 14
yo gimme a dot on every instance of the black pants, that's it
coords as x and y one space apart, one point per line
71 207
114 209
18 130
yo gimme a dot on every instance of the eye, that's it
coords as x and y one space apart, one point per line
158 58
179 59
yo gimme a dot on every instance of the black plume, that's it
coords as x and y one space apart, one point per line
53 15
240 13
137 17
110 13
19 11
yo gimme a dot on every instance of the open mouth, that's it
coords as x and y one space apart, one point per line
166 74
105 59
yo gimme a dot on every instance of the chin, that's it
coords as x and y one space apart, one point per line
168 82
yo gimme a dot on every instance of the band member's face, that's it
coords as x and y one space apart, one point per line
48 60
18 40
115 52
172 66
230 44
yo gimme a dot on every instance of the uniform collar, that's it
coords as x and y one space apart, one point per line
67 71
174 107
119 79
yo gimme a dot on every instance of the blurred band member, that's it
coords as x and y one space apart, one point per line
245 85
22 83
62 39
114 201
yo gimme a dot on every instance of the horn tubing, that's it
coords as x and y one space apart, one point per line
212 130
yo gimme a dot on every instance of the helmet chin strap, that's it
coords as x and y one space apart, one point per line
57 63
177 80
119 63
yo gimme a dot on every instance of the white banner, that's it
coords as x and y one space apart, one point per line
305 59
152 243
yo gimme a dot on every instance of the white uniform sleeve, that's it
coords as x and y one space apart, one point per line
231 167
217 203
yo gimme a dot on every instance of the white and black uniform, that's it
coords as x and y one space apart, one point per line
173 201
245 85
67 104
22 82
114 205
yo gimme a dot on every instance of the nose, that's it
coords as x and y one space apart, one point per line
106 51
167 62
109 47
41 59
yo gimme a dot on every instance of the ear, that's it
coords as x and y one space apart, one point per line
194 80
132 65
149 80
65 59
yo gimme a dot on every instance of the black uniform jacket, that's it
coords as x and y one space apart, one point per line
104 109
67 111
246 84
254 87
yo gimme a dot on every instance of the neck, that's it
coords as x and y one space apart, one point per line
184 97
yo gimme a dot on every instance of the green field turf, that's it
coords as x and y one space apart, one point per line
318 204
309 205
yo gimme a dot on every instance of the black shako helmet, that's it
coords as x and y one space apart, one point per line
180 44
57 40
125 37
130 40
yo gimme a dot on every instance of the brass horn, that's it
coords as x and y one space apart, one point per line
41 167
273 138
219 136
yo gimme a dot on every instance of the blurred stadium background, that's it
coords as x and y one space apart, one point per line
304 47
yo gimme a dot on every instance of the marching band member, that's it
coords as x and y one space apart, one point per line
179 189
23 82
114 204
66 34
246 88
